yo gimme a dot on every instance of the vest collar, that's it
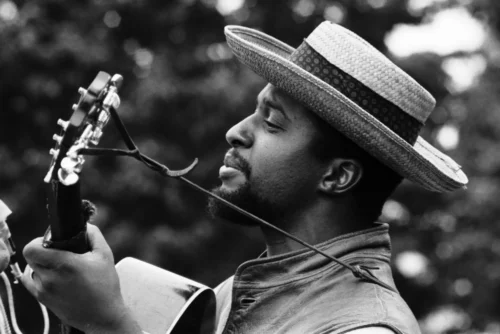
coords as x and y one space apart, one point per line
268 271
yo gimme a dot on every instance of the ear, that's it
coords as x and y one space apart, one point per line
341 176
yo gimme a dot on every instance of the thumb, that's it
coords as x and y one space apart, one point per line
96 239
30 282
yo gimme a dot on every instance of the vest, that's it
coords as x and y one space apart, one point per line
303 292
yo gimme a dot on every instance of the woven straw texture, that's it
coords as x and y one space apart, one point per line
420 163
361 60
386 112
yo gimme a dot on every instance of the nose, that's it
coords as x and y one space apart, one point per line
240 135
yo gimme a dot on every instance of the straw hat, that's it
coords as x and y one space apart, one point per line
357 90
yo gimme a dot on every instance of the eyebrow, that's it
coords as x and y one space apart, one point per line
275 106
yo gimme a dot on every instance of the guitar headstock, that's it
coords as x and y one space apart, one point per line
84 127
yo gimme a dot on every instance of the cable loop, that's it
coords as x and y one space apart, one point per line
356 271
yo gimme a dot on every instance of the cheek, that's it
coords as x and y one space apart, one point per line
283 170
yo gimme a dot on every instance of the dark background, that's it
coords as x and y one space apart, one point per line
183 90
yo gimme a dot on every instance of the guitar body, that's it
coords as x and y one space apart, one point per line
163 302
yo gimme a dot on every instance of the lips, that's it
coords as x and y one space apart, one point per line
232 167
231 162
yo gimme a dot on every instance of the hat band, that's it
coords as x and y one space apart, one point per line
383 110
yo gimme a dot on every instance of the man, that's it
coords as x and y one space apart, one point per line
334 132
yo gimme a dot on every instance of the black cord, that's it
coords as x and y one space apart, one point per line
359 271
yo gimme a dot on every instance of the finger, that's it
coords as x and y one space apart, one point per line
30 281
38 256
32 249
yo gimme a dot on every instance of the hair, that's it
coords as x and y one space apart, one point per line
378 181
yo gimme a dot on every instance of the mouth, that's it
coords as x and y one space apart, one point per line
230 169
231 162
226 173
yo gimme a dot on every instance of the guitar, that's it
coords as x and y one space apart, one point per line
163 302
84 128
178 305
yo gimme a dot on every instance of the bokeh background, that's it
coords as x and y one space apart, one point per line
183 89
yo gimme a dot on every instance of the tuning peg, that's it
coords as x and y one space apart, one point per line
69 167
96 136
57 138
54 152
82 91
74 107
63 124
48 177
117 80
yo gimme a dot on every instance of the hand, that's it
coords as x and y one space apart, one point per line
82 290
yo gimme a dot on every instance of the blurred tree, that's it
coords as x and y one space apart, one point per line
183 90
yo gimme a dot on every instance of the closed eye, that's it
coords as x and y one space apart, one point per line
272 124
271 127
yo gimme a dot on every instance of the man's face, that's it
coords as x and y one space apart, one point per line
270 170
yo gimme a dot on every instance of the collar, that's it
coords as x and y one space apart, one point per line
268 271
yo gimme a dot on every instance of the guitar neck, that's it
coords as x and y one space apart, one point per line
68 214
67 223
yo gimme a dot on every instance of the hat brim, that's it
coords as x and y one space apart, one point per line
421 163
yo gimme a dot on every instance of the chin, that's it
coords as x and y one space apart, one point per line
241 196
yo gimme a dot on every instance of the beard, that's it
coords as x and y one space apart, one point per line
242 197
245 198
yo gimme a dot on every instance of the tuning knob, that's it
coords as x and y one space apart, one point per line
82 91
63 124
74 107
69 167
57 138
54 152
117 80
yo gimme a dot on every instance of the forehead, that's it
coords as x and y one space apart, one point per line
274 94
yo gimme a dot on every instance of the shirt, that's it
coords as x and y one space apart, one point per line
304 292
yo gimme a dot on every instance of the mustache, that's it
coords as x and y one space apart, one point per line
234 159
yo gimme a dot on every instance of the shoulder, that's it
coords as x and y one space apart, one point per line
372 330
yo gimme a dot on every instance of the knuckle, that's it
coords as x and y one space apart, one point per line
27 251
31 248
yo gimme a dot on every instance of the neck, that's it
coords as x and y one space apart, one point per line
322 221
